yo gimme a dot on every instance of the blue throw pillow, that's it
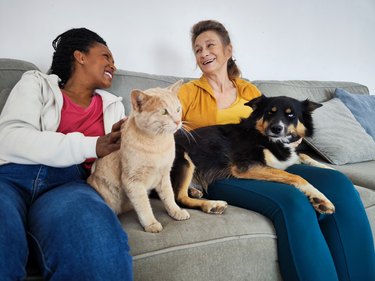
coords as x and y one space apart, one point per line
362 107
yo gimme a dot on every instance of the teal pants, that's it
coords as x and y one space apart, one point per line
311 246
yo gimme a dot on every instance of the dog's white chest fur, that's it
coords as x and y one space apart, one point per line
272 161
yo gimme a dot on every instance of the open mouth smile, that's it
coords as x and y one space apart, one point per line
208 61
109 74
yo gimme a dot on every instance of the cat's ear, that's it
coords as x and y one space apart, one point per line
176 86
138 99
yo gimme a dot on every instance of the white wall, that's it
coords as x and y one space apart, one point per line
272 39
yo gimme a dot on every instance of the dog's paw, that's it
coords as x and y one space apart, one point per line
215 207
323 206
194 192
328 167
180 215
155 227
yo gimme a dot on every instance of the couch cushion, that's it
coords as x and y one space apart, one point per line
318 91
125 81
3 97
368 199
362 107
360 173
338 137
11 71
219 242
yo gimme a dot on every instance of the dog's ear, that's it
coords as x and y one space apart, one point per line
255 103
310 105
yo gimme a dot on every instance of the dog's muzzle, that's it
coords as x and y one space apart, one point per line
276 131
279 132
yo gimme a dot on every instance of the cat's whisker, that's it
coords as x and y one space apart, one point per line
188 128
188 134
185 124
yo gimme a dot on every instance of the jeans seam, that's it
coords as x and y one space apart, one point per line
36 185
41 252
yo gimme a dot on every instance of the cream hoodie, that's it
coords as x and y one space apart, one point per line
31 116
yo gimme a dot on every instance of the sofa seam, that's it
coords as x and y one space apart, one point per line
291 83
200 244
15 69
148 78
309 86
370 207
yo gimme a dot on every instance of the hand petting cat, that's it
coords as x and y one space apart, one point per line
111 141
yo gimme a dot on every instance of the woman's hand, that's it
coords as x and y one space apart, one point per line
110 142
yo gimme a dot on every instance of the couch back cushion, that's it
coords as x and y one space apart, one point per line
125 81
11 71
318 91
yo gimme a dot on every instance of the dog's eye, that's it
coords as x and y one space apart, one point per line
272 110
164 111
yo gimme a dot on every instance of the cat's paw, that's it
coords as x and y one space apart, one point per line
180 214
155 227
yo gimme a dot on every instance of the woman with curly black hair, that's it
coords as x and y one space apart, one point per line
52 128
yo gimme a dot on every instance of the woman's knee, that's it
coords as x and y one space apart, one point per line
75 211
13 240
79 221
268 198
330 182
94 268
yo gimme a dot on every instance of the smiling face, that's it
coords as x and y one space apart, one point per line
97 65
210 53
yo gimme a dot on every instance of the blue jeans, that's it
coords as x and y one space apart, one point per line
310 246
77 236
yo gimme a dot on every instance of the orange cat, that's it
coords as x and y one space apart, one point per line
145 158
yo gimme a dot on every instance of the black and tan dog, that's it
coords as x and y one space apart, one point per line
259 147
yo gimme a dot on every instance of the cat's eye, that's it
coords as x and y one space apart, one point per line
179 109
164 111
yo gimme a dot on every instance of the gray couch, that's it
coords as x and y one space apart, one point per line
238 245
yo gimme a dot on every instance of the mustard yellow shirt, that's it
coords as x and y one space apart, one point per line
234 112
199 106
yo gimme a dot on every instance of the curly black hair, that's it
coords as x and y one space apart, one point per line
80 39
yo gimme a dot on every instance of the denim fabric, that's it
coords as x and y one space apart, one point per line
75 234
311 246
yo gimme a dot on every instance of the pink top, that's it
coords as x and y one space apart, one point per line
88 121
